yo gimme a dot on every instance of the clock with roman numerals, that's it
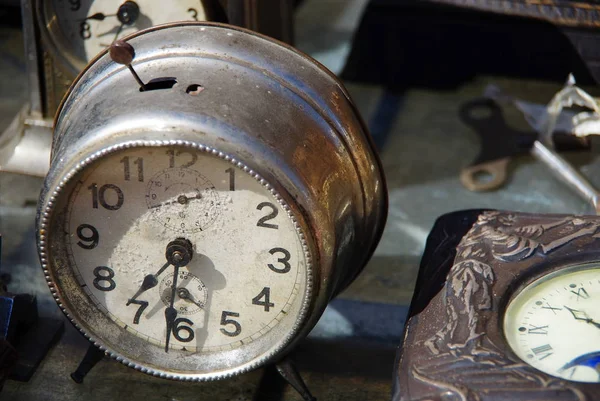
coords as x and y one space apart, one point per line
505 308
196 227
553 324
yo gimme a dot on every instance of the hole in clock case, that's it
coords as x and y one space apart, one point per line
194 89
160 83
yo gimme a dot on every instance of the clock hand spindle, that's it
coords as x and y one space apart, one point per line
127 14
591 321
183 293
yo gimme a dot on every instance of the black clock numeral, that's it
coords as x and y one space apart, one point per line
75 5
581 293
104 278
99 195
543 351
266 294
172 155
178 327
553 309
143 305
285 261
85 30
231 172
194 13
92 240
537 330
225 322
126 169
262 222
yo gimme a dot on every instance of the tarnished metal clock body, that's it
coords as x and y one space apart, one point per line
198 229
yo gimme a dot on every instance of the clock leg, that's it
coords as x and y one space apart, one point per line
91 358
288 371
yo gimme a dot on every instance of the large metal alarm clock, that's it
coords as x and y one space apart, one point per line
195 227
505 308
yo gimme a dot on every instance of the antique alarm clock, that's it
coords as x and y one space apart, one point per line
62 36
195 226
505 308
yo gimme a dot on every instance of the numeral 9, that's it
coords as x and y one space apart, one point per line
92 240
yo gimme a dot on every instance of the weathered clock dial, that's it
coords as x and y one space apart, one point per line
243 270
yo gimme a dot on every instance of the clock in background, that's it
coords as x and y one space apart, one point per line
62 36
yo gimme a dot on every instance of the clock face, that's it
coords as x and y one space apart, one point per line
554 324
83 28
185 250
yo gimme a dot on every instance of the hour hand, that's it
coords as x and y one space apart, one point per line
577 314
150 281
581 315
99 16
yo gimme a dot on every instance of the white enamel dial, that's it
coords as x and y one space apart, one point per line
89 26
554 324
247 272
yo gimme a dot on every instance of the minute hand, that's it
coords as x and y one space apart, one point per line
171 312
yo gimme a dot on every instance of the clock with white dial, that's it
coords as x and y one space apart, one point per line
553 324
197 234
77 30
